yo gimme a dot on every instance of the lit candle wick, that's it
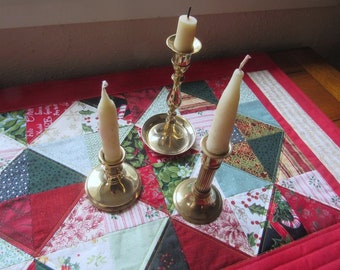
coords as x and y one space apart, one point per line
245 60
188 15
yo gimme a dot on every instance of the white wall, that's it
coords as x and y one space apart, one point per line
20 13
59 51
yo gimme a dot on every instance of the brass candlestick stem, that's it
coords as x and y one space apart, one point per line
196 199
113 187
169 133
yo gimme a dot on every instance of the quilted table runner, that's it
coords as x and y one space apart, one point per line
280 185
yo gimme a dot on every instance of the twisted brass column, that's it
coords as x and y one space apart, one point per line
169 133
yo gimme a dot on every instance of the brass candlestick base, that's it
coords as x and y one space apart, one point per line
168 141
170 134
113 187
197 200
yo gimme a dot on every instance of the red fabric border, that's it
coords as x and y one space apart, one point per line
320 249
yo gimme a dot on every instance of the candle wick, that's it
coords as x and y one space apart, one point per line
245 60
104 85
188 15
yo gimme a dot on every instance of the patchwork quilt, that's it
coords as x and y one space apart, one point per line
280 185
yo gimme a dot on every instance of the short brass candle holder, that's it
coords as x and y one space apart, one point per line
113 187
168 133
196 199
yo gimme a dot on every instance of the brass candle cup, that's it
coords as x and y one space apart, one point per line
196 199
113 187
168 133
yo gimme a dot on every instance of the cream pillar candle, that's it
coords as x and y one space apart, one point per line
225 114
185 34
108 127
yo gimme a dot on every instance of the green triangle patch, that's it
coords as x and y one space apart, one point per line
199 89
168 251
256 110
234 181
45 174
268 150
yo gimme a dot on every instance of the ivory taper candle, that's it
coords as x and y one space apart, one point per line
185 34
108 127
225 114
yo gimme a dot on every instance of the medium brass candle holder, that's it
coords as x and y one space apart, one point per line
113 187
196 199
168 133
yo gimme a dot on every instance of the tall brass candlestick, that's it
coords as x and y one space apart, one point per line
196 199
168 133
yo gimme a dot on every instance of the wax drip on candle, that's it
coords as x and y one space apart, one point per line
188 15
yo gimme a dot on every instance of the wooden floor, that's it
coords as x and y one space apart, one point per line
319 81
